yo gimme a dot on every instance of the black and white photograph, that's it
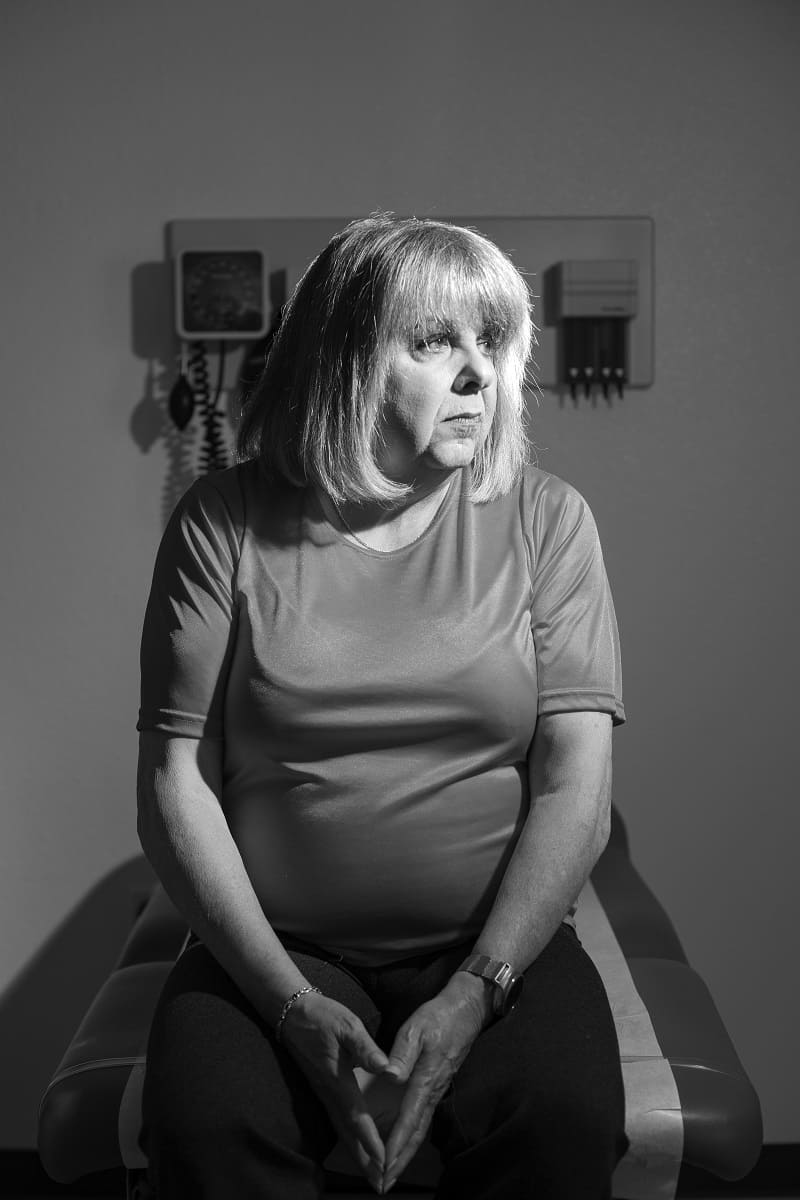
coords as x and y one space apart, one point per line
399 524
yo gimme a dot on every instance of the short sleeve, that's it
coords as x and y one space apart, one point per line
572 613
189 623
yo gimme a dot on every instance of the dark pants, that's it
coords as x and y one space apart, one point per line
536 1110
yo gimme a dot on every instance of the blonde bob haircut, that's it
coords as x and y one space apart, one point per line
314 416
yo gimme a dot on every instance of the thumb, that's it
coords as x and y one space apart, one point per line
403 1055
364 1052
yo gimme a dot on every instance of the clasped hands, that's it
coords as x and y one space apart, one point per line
382 1105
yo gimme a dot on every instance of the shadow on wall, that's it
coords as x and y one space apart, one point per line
154 341
42 1008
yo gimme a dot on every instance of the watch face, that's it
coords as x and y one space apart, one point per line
220 293
512 995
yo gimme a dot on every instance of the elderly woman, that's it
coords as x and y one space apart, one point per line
380 671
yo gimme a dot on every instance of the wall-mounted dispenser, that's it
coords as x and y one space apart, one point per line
593 300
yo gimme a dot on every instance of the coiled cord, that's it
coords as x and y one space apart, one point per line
213 450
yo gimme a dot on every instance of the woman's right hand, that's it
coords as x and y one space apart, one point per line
327 1041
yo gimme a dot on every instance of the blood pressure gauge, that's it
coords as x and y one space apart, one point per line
220 294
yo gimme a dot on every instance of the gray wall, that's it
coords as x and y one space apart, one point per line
118 117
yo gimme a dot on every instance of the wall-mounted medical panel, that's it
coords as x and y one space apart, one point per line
591 279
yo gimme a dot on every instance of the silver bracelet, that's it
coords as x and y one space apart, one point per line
303 991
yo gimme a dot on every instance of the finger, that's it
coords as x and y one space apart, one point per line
416 1110
395 1167
361 1132
367 1141
363 1142
370 1168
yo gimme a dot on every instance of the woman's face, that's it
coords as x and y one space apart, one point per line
439 403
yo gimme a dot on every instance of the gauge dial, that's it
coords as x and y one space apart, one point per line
221 294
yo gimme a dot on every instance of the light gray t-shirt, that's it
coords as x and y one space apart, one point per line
376 708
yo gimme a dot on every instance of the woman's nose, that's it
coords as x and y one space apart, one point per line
477 372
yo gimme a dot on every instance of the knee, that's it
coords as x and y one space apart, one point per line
548 1120
566 1124
195 1130
544 1141
204 1129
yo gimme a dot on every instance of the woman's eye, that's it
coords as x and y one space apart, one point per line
432 343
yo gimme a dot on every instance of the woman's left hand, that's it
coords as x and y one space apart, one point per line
427 1052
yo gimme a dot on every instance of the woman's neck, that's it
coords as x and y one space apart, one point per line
380 527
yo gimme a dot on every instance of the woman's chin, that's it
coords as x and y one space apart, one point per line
435 460
456 452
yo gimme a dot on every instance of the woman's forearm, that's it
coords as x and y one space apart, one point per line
563 836
186 838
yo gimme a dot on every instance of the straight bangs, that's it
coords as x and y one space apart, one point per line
462 275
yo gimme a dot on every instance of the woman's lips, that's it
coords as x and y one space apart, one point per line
464 426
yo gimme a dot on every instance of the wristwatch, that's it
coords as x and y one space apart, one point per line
507 985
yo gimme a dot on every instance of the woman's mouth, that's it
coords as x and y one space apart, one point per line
464 424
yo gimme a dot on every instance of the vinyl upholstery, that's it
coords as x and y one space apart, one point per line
673 1044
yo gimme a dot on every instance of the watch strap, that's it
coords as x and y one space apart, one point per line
496 971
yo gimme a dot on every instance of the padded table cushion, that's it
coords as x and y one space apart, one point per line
90 1114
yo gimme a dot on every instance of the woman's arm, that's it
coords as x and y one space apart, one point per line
565 832
185 836
567 826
